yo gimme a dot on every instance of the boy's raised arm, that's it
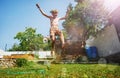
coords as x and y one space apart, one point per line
42 11
62 18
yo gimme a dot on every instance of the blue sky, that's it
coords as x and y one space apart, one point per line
15 15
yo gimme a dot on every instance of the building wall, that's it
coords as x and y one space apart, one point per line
41 54
107 42
115 19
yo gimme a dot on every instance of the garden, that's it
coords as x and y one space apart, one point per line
30 69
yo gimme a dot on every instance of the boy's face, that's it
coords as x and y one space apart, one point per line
54 14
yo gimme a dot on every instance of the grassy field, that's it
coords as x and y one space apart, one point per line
62 71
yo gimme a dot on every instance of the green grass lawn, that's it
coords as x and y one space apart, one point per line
62 71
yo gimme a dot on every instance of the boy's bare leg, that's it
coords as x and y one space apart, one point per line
53 40
53 44
62 39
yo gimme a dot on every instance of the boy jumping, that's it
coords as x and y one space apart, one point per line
54 30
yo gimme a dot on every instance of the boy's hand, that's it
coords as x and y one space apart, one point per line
68 10
37 5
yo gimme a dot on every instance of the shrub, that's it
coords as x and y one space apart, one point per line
81 59
78 59
21 62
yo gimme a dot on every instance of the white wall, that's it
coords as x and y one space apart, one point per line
42 54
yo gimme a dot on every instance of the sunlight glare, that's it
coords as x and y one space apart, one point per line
111 4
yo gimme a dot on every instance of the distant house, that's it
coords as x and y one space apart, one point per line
108 40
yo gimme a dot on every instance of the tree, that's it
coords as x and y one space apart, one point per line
86 19
29 41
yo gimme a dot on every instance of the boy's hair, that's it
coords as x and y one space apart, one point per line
54 11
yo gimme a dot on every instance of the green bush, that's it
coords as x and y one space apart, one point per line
81 59
78 59
20 62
